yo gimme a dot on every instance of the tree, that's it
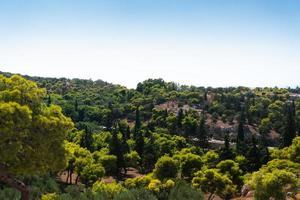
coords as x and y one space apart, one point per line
232 170
49 100
190 163
92 172
213 182
180 116
202 134
29 129
273 184
253 156
115 148
165 167
226 152
138 136
149 154
137 127
290 127
240 140
87 139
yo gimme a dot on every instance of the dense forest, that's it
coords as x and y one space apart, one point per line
67 139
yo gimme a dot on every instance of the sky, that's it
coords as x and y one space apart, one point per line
192 42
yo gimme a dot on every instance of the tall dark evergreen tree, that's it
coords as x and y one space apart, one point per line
49 100
139 144
226 152
76 105
180 116
202 133
87 139
138 136
240 140
205 96
290 127
115 148
253 156
137 127
109 117
149 154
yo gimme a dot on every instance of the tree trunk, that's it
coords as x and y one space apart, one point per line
11 181
68 175
71 175
211 196
77 178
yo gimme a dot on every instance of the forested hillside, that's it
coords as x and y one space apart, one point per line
160 141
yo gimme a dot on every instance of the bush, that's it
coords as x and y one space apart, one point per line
137 182
10 194
111 189
183 191
135 194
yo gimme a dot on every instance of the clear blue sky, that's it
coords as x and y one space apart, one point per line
199 42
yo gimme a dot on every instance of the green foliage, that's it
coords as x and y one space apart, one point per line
273 184
232 170
24 115
109 162
111 190
189 163
50 196
138 182
9 194
183 191
213 182
167 121
210 159
132 159
91 173
166 167
135 194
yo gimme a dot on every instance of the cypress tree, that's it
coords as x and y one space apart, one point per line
202 134
49 100
240 140
76 105
290 127
115 148
138 136
226 152
137 127
253 156
180 116
87 139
